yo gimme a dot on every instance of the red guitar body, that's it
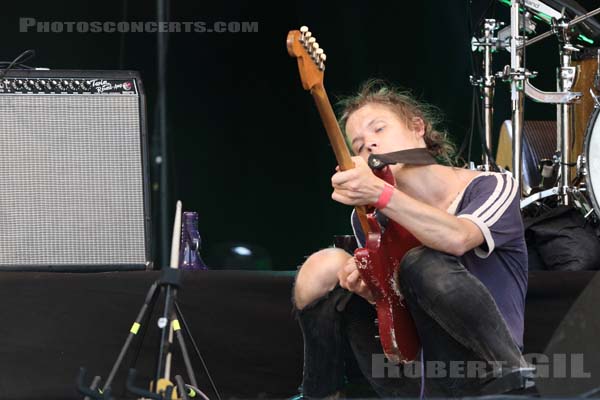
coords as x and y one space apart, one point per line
379 266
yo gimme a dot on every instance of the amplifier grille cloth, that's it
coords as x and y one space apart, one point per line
71 182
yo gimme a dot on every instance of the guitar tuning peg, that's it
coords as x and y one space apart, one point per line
311 40
313 51
321 60
303 32
317 55
308 35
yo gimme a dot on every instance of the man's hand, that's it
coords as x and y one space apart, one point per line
356 186
349 277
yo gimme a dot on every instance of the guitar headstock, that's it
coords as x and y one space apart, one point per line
302 45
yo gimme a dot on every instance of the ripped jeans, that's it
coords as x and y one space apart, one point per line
453 328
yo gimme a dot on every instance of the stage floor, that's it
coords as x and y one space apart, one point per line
54 323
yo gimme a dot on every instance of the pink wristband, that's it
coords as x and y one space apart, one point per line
385 196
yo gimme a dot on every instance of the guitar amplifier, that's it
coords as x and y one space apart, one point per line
74 187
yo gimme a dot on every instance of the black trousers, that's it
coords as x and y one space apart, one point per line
464 338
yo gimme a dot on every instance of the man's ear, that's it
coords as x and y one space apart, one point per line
418 126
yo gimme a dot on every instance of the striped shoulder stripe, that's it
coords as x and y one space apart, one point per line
492 199
505 192
507 202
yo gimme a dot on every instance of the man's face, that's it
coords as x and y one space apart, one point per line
376 129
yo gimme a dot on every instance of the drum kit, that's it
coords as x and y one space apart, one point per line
574 169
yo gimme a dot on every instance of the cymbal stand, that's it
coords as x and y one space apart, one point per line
488 43
564 112
517 76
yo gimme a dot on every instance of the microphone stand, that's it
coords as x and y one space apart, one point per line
169 283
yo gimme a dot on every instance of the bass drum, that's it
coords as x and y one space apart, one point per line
586 62
592 159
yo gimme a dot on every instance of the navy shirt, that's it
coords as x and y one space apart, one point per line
491 202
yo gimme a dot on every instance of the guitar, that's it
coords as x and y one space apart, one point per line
379 261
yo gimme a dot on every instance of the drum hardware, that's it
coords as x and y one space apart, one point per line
581 203
553 191
550 97
514 39
581 168
597 77
516 76
595 97
579 191
574 22
564 98
486 83
564 121
548 169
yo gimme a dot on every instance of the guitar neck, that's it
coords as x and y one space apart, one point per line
336 138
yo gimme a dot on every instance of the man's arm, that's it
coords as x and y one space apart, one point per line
433 227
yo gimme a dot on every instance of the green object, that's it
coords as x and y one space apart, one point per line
585 39
539 15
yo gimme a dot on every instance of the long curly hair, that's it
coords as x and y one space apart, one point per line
407 107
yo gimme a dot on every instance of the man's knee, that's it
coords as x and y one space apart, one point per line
423 269
318 275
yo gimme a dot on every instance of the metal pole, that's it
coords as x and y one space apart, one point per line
516 87
488 91
565 120
161 7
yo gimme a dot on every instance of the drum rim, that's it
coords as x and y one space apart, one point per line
586 147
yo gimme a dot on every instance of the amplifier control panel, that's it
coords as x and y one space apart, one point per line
67 86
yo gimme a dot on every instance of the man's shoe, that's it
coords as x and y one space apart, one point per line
515 380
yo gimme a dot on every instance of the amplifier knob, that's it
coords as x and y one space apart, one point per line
29 85
63 85
85 85
42 84
75 85
17 84
54 84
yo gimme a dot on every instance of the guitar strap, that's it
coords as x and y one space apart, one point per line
377 162
417 156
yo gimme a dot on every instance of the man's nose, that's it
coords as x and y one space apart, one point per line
371 147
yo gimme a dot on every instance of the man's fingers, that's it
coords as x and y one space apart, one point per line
352 277
339 178
365 292
350 265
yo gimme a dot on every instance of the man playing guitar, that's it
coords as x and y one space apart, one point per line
464 287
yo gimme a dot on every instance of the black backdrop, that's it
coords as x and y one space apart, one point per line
247 148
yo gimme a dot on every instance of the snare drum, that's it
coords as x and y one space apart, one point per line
592 155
